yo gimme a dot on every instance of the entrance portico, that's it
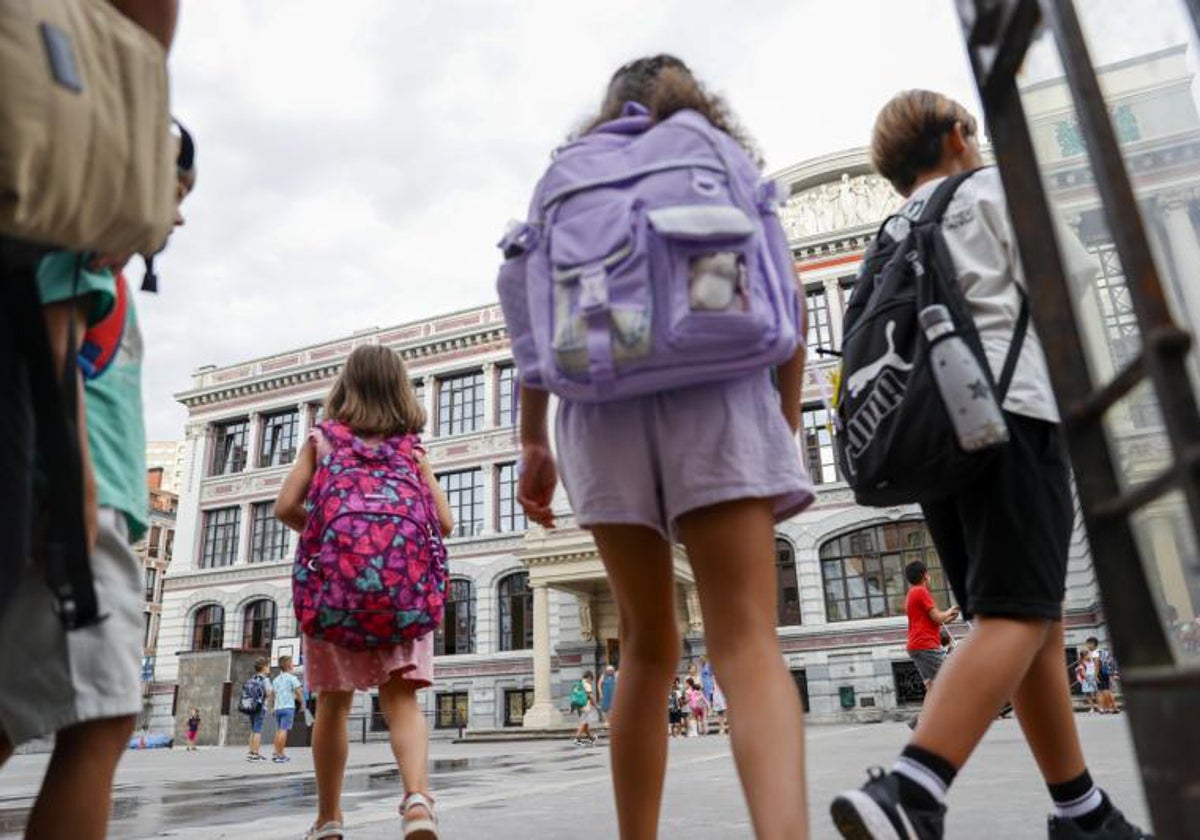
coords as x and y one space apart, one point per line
566 559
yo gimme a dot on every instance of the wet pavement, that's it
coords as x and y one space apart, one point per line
532 790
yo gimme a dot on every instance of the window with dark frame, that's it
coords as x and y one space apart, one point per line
800 677
789 586
151 584
268 536
279 443
516 612
457 632
169 548
862 572
505 395
453 710
509 514
258 625
230 442
517 701
464 493
817 428
220 545
208 627
460 404
152 542
146 631
820 329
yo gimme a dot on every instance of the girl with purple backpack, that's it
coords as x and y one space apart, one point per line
372 406
713 466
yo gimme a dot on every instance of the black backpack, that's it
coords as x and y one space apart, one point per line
896 443
254 696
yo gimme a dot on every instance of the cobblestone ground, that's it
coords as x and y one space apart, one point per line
535 790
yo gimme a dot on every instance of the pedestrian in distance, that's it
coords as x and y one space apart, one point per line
1104 676
926 624
286 698
608 690
84 686
374 400
1085 675
707 678
193 728
713 466
583 703
675 705
699 706
1003 539
256 695
718 708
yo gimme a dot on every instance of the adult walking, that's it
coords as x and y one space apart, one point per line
608 690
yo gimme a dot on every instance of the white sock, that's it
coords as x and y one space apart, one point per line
916 772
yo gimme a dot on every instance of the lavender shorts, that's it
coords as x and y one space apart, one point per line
649 460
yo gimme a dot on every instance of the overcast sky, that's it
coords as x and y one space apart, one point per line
357 166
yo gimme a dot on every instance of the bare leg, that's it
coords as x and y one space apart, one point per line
640 571
330 747
76 795
974 685
409 734
732 551
280 742
1043 705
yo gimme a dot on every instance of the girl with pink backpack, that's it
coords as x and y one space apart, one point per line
370 574
713 465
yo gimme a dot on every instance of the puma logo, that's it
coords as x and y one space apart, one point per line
891 359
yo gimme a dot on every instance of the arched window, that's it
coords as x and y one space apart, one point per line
258 624
208 628
789 586
863 571
457 633
516 612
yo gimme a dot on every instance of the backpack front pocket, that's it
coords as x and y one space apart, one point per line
707 261
601 299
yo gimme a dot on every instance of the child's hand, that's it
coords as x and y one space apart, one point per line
535 488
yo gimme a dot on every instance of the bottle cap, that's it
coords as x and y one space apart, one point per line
931 316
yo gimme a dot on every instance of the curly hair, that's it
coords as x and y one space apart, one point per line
665 85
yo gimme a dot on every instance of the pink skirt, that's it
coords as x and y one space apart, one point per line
328 667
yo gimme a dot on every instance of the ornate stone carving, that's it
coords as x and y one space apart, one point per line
695 620
848 202
587 631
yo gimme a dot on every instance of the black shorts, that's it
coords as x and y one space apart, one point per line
1003 542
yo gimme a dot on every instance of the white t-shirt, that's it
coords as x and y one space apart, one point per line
982 244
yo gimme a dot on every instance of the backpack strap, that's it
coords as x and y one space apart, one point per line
936 206
1014 349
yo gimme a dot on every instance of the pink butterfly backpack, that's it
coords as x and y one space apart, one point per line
371 567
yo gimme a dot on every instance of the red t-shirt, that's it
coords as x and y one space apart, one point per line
923 632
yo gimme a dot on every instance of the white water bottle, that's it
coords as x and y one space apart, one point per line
964 386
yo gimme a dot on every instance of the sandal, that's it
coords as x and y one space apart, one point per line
418 828
333 828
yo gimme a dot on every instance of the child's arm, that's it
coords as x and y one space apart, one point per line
539 474
289 505
790 374
444 515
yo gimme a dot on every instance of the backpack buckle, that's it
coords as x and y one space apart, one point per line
593 290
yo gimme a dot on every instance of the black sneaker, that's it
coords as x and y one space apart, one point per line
874 812
1115 827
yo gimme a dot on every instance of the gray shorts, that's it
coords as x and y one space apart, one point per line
649 460
928 662
53 679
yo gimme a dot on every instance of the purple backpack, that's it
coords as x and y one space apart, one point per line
370 568
653 259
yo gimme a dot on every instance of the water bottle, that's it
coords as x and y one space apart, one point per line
964 386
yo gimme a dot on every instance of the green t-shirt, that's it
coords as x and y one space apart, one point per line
116 427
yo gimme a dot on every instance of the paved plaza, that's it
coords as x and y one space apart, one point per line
544 789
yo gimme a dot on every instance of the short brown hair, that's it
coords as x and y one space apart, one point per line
261 664
664 84
284 662
907 138
373 395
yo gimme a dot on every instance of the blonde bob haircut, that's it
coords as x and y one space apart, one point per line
373 395
908 134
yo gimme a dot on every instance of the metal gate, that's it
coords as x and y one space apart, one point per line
1094 122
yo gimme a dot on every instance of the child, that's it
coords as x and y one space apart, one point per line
1003 542
1085 675
262 667
718 707
698 705
714 467
285 691
85 685
584 700
373 398
193 728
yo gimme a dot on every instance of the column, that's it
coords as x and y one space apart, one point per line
543 713
1185 254
833 301
490 386
243 548
491 492
303 426
254 441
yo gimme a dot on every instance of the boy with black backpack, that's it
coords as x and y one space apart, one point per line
253 703
1003 533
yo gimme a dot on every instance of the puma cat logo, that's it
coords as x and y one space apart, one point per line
863 377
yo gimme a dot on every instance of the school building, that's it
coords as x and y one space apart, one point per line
529 609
